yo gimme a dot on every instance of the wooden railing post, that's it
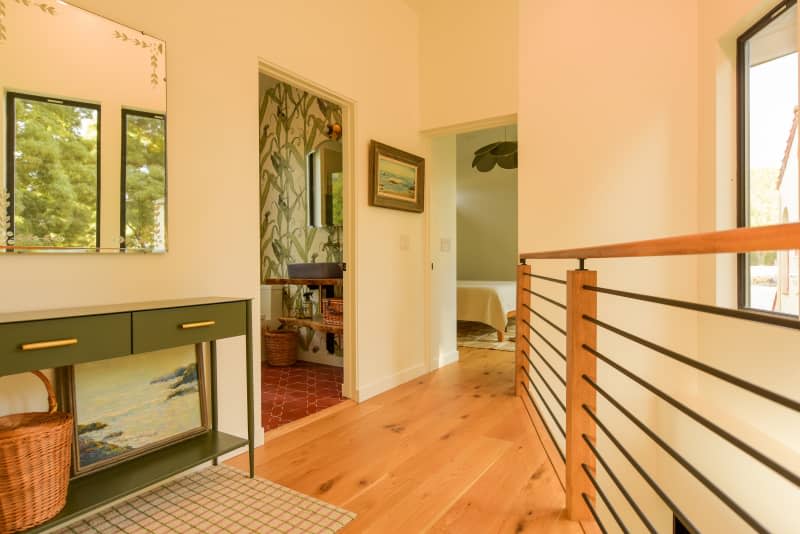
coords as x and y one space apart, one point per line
580 302
523 314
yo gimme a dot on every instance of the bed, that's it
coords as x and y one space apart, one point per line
490 303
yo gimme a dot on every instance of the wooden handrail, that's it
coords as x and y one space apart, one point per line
739 240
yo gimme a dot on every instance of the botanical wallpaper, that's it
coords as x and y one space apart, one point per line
293 123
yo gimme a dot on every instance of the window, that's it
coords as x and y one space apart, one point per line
767 73
144 181
53 172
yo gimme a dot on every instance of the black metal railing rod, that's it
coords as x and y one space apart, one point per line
549 366
547 341
539 374
639 469
707 423
546 299
713 488
544 424
747 315
547 278
600 524
606 501
547 407
619 485
546 320
722 375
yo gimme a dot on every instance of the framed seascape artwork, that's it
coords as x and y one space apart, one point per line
124 407
396 178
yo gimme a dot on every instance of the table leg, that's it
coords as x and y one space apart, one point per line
214 404
250 406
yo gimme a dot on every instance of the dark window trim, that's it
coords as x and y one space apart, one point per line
11 120
124 170
742 146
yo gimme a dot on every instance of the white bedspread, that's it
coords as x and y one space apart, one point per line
486 302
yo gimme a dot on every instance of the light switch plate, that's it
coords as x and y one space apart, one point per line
444 244
404 242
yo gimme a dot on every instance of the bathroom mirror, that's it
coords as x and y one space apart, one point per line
324 185
84 113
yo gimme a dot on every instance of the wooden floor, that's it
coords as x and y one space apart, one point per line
453 451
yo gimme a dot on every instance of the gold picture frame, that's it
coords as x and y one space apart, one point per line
396 178
106 451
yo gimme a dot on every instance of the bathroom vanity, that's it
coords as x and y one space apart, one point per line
53 339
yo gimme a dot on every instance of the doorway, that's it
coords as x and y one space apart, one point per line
474 242
307 297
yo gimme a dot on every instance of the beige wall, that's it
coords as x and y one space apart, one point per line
212 68
468 60
608 120
486 211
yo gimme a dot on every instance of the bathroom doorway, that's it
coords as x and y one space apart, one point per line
306 295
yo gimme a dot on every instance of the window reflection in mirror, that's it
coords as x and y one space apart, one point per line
52 158
144 181
324 185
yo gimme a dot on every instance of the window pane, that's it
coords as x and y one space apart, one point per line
145 181
54 184
772 172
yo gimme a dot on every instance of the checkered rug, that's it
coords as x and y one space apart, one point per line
481 336
217 499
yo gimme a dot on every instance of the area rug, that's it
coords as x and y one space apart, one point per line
217 499
481 336
291 393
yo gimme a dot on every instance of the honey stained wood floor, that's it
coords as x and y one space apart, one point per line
452 451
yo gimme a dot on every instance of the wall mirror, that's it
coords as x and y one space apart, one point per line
84 114
324 185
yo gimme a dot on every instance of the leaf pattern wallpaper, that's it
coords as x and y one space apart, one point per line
293 123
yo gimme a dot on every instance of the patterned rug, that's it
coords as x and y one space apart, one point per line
291 393
217 499
481 336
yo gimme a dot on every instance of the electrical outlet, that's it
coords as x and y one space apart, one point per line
444 244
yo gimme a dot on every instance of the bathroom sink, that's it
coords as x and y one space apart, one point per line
315 270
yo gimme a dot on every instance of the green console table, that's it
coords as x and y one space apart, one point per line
60 338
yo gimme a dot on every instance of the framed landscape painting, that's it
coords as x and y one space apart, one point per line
124 407
397 178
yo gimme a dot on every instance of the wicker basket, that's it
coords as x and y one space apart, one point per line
280 347
35 452
333 311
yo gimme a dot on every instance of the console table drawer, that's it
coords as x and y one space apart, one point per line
173 327
57 342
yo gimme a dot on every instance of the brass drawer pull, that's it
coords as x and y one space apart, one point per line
50 344
201 324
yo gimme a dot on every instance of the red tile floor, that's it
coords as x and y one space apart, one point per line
291 393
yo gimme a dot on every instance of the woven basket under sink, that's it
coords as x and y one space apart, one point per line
280 347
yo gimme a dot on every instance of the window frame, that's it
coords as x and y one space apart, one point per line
743 146
11 121
123 207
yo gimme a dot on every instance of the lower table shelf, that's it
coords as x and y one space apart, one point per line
95 490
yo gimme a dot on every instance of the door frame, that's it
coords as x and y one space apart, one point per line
348 106
432 315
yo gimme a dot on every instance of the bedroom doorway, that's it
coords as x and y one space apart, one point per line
306 229
474 242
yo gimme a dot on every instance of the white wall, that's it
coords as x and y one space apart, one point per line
444 250
486 211
765 355
468 60
607 122
213 158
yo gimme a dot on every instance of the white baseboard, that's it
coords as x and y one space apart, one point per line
387 383
448 358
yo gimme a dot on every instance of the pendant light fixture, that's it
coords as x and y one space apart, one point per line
502 153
